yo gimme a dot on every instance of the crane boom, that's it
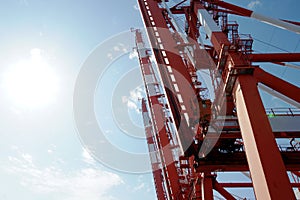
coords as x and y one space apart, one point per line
191 137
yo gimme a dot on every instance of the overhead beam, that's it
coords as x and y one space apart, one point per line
275 57
242 185
277 84
284 24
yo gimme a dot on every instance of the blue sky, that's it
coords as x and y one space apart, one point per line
41 154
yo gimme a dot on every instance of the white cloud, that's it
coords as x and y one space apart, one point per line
90 183
136 94
117 48
133 101
142 185
87 157
136 7
139 187
124 99
254 4
133 54
27 158
110 56
133 105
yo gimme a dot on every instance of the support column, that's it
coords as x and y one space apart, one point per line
222 191
269 176
207 186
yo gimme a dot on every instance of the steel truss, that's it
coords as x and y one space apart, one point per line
181 122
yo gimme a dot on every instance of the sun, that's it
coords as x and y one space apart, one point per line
31 83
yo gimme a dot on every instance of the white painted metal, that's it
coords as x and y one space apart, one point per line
207 22
278 95
276 22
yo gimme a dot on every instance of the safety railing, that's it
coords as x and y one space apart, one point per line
273 112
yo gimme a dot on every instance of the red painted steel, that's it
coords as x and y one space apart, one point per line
292 22
243 185
157 172
181 100
164 149
207 186
219 188
275 57
191 177
260 146
277 84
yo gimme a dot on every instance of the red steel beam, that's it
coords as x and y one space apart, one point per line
241 11
241 185
207 186
292 22
266 166
219 188
277 84
275 57
156 171
284 24
156 109
297 173
169 168
180 91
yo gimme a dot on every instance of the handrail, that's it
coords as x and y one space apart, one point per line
272 112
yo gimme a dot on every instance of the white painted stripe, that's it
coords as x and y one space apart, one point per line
167 61
153 23
155 28
176 87
207 22
149 13
172 77
276 22
186 116
183 107
169 68
156 33
151 18
161 46
180 98
278 95
146 3
147 7
292 66
158 40
163 52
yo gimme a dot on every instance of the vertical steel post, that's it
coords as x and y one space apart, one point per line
270 180
207 186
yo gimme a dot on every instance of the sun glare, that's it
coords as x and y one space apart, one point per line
31 83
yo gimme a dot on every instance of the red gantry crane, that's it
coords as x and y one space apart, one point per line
191 136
